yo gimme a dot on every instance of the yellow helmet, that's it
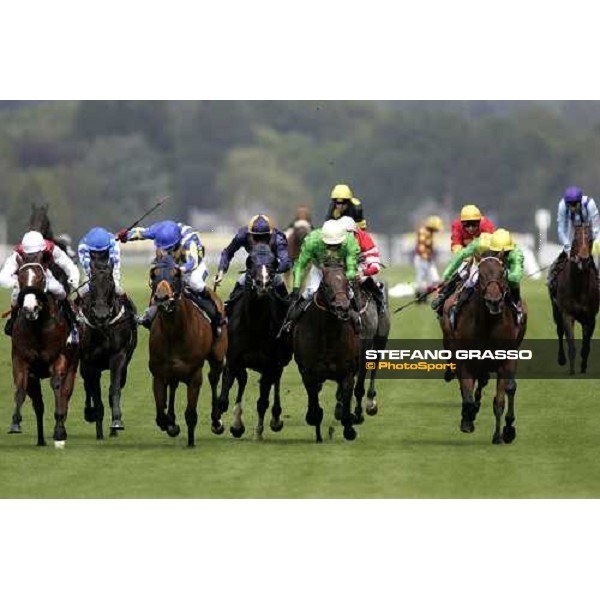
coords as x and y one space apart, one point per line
341 192
485 240
501 241
434 222
470 212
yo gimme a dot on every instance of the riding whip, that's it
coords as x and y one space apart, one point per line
419 298
148 212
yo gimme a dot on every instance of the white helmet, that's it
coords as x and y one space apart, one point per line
333 232
33 241
348 223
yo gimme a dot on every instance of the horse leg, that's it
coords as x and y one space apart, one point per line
499 407
89 410
469 411
588 332
481 383
191 412
276 421
58 374
237 427
214 374
117 364
569 324
560 332
173 429
226 385
346 386
509 433
94 376
34 391
266 381
314 414
372 408
359 392
21 380
159 387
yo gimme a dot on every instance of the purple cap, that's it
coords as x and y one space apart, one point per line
573 194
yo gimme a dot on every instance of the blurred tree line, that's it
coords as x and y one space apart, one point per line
104 163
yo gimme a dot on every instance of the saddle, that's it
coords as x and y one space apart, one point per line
187 293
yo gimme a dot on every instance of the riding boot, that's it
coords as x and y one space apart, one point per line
294 313
462 298
206 302
145 319
73 338
515 301
8 327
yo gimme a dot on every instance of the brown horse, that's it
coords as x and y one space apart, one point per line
39 350
326 347
576 298
181 340
486 321
295 236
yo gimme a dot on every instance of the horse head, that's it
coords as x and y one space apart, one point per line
39 220
581 248
166 283
102 298
32 283
334 289
262 266
492 282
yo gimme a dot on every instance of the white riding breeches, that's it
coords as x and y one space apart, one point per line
313 281
472 276
426 273
196 279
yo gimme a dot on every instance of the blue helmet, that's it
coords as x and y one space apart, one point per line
573 194
98 239
167 234
260 225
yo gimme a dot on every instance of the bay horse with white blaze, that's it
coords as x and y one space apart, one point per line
181 341
486 321
326 347
576 298
39 351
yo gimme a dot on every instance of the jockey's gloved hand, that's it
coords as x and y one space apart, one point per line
122 235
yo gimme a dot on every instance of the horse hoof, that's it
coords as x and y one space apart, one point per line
358 419
571 371
15 428
237 433
562 361
467 426
448 376
497 439
217 428
276 426
89 414
173 430
117 425
113 433
349 433
337 413
509 433
59 444
372 410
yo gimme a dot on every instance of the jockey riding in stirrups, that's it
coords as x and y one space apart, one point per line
343 203
259 230
184 245
369 262
330 243
99 246
33 243
573 209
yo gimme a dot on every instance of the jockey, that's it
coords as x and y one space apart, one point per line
184 245
344 203
34 243
470 225
426 271
573 209
98 244
369 261
258 230
331 241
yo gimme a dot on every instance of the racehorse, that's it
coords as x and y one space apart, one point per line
39 350
181 340
254 323
295 236
486 321
374 333
576 298
326 347
108 337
